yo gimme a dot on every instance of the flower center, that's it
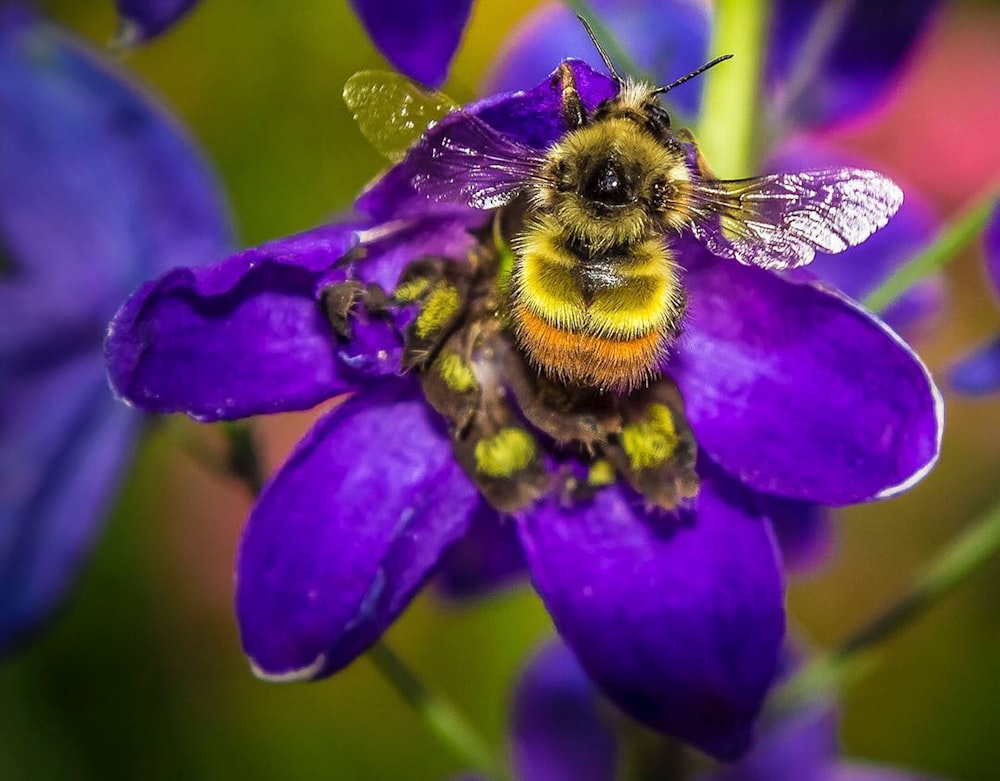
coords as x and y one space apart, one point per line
519 432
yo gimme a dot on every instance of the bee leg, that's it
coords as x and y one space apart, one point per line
656 450
573 111
564 413
703 167
341 301
438 293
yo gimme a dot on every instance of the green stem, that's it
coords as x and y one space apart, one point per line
439 715
442 718
965 556
623 62
729 112
936 255
243 459
824 31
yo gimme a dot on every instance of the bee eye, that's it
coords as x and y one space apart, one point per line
657 120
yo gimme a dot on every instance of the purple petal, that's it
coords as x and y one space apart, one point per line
991 245
445 236
64 446
145 19
99 189
803 530
532 117
798 391
678 619
802 747
828 62
558 730
978 374
666 38
240 338
487 558
419 39
859 270
346 533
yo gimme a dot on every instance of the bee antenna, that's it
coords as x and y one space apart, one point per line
600 49
692 74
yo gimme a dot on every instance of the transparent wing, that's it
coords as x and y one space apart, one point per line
392 111
461 159
780 221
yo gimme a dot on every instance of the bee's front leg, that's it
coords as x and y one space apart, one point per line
573 111
704 169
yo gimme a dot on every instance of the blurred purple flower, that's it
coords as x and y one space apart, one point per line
790 389
832 60
664 39
979 373
143 20
419 39
560 731
98 190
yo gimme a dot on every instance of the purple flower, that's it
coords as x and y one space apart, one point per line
419 39
658 565
979 373
560 731
143 20
98 190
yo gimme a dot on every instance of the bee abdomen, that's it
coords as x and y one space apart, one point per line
597 320
588 359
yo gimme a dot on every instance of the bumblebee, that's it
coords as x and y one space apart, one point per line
595 296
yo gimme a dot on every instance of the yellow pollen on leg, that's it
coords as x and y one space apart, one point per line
412 290
439 306
601 473
506 453
456 372
652 441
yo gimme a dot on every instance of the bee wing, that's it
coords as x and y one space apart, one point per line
780 221
392 111
461 159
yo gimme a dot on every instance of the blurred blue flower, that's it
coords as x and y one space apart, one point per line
98 189
560 730
143 20
979 373
419 39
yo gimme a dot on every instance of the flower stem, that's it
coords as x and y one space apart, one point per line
439 715
965 556
936 255
243 459
623 62
442 718
729 109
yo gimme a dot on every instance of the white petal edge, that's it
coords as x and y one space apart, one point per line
306 673
923 471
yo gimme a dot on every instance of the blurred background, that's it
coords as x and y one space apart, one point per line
141 673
